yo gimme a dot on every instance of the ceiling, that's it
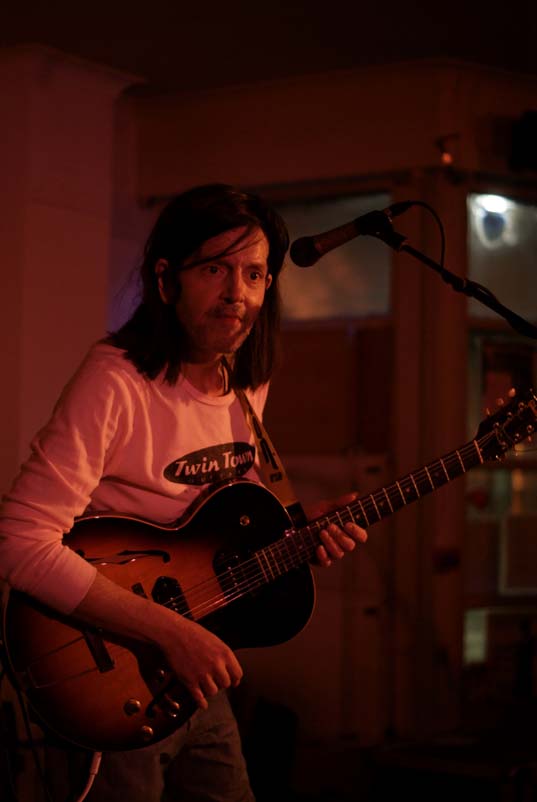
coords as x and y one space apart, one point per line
173 45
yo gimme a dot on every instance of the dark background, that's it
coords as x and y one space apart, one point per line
183 46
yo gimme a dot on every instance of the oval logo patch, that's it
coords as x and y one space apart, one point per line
214 464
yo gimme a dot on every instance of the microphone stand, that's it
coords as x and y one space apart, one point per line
398 241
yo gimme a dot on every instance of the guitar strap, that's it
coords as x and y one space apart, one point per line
273 473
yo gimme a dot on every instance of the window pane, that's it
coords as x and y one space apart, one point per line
501 523
350 281
475 636
502 253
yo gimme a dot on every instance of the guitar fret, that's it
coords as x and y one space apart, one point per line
445 471
313 530
274 563
264 553
293 549
479 454
460 460
410 491
283 549
259 562
349 509
387 499
415 486
314 539
364 513
375 505
304 544
438 474
339 519
401 492
429 477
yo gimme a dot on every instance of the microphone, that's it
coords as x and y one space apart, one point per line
307 250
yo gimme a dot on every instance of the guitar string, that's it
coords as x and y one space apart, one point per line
254 576
258 578
292 560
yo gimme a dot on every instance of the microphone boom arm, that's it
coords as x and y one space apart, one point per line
470 288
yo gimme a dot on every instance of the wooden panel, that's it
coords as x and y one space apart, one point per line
480 562
374 372
519 556
330 394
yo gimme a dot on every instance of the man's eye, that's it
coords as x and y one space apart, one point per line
213 270
255 275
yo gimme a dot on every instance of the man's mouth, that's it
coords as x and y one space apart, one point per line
228 314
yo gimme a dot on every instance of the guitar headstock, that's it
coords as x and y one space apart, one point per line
514 422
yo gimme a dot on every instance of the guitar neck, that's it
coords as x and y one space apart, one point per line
299 545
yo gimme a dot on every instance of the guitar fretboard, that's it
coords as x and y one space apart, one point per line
299 545
515 422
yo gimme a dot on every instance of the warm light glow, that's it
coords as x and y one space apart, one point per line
496 204
494 220
518 480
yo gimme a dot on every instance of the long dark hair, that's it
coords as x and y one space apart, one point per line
153 338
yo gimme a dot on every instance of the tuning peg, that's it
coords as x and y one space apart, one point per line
500 402
488 413
512 392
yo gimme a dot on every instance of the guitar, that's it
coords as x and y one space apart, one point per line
234 563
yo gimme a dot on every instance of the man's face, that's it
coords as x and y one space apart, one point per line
223 286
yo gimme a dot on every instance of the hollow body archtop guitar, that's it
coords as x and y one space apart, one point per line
234 563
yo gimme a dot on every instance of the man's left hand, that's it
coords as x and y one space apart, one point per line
336 540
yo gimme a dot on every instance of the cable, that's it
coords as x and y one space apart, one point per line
31 743
93 771
440 227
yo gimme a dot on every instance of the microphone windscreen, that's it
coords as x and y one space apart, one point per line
303 252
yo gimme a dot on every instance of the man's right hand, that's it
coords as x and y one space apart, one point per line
201 661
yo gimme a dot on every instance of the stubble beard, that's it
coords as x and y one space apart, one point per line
207 341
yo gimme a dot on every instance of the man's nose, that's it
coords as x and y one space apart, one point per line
234 286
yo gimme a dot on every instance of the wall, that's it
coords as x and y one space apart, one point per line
81 172
377 120
56 156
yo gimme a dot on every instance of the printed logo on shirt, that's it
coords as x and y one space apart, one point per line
214 464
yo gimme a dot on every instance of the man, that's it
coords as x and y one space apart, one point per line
122 439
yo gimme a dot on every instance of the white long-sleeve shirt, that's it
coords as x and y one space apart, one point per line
116 442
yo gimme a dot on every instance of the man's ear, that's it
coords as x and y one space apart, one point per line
268 281
160 270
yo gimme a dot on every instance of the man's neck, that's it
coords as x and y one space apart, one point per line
207 377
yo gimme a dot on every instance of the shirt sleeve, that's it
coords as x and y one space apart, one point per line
68 458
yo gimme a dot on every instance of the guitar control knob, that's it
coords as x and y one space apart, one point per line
244 520
146 732
172 708
132 706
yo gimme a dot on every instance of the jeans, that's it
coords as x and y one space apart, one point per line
201 762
